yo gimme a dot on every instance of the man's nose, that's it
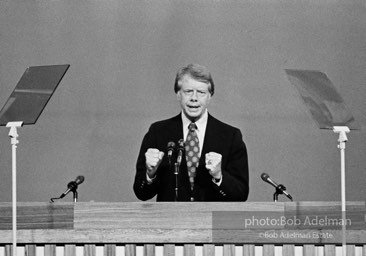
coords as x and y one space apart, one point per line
194 95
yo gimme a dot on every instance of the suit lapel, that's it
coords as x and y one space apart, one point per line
174 130
210 142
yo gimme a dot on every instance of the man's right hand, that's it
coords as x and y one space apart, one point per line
153 159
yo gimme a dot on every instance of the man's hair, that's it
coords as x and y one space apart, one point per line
197 72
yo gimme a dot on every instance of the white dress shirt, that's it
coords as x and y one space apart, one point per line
200 131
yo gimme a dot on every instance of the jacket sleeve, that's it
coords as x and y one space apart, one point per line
235 182
143 190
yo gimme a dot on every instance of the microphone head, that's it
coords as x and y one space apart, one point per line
181 144
171 145
265 177
79 179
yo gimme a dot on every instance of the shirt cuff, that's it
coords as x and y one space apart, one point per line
150 180
217 181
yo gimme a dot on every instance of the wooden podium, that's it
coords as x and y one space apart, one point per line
137 228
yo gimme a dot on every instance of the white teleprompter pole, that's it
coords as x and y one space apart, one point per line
13 134
342 139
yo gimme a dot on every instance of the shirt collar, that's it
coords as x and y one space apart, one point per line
201 123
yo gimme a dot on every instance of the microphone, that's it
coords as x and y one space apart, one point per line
180 151
170 148
265 177
73 185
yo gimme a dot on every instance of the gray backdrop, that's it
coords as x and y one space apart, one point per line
124 56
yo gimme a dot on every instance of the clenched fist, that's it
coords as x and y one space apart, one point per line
213 164
153 159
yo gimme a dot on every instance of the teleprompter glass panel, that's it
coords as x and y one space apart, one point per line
32 94
321 98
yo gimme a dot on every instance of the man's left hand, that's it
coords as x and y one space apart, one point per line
213 164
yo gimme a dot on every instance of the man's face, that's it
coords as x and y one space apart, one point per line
194 97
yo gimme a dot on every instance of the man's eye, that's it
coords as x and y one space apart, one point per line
188 92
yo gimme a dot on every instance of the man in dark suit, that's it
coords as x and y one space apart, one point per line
214 164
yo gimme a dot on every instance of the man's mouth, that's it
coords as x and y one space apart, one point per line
193 107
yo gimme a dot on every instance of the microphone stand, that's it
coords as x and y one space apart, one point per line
75 196
176 172
74 186
279 190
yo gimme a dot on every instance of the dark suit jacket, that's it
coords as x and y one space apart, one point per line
220 138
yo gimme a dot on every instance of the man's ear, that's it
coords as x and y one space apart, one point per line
179 96
209 98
